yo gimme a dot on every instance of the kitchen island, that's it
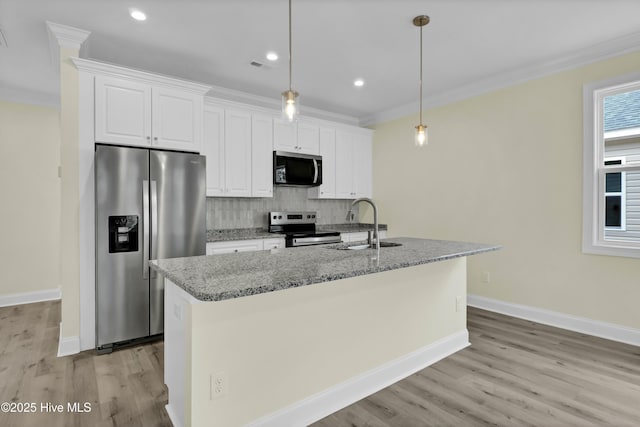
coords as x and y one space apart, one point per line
286 337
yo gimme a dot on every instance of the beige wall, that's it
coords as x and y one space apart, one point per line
30 192
506 168
281 347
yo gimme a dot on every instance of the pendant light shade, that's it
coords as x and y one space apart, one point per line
422 134
290 100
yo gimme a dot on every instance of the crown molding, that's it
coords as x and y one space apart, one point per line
66 36
246 98
598 52
118 71
274 112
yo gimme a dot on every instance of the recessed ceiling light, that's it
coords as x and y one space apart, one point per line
358 83
138 15
272 56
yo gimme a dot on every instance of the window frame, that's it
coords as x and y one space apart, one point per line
594 169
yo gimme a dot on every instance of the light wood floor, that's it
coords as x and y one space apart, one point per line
124 388
516 373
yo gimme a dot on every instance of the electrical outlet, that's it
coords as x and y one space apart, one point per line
460 305
219 385
486 277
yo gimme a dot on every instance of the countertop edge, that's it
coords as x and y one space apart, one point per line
226 295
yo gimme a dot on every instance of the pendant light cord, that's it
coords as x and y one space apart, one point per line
420 75
290 55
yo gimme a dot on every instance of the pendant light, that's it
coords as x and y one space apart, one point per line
422 134
290 101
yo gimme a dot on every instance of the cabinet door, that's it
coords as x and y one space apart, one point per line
308 138
122 112
216 248
176 120
344 165
362 167
261 156
237 147
328 152
213 149
285 137
273 244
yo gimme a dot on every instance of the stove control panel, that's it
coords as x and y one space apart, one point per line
285 218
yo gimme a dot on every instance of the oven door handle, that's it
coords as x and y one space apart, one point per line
303 241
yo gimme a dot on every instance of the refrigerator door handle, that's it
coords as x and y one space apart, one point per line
145 225
154 221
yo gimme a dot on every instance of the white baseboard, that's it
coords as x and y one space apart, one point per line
30 297
320 405
610 331
68 345
172 416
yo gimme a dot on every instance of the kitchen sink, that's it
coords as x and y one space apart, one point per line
361 246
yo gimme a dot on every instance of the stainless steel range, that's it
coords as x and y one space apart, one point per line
300 229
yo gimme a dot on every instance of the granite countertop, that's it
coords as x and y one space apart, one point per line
227 276
261 233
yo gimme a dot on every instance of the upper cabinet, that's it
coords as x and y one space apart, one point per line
238 145
261 155
296 137
285 137
135 112
353 165
328 152
227 146
308 137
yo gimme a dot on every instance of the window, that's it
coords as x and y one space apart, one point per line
611 180
614 196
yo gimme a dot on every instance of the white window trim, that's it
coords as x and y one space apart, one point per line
593 241
622 193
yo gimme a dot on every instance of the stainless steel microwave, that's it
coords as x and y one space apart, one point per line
297 169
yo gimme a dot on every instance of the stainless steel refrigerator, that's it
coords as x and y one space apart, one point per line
150 204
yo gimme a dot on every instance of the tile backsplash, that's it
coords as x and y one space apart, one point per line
240 212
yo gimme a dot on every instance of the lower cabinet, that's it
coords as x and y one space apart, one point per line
234 246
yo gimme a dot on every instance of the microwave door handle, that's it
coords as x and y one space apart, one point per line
315 169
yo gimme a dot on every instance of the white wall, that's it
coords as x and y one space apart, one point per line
506 168
30 198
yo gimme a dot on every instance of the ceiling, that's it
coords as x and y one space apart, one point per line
470 46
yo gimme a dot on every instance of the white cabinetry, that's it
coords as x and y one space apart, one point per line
353 165
234 246
285 136
227 145
297 137
328 152
237 147
308 138
132 112
261 155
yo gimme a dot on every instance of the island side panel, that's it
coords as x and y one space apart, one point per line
276 349
177 351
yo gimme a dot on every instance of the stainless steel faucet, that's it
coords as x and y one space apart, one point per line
375 218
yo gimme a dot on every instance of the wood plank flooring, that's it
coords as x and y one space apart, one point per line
124 388
516 373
